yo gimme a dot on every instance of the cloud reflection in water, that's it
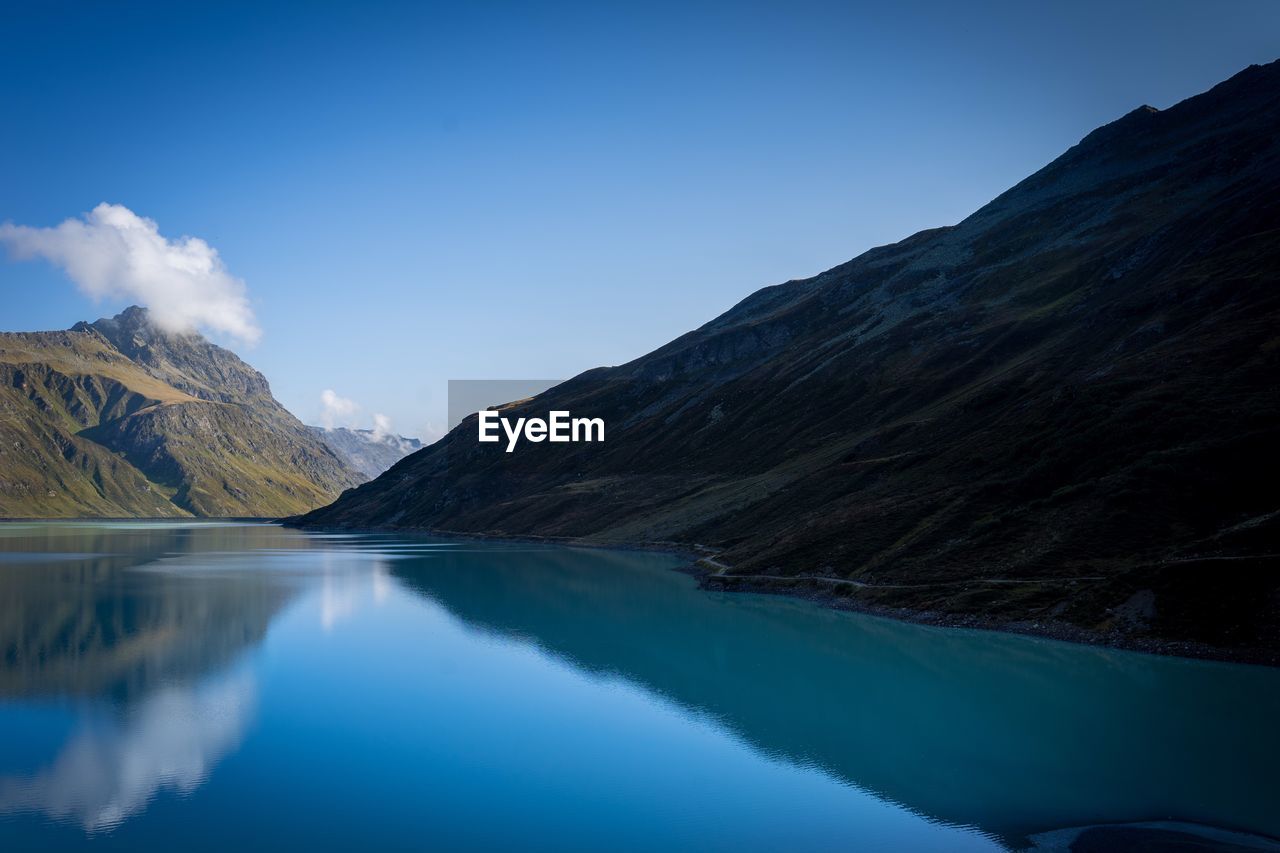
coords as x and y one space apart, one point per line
111 769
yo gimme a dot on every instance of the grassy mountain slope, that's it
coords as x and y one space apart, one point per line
1060 412
118 419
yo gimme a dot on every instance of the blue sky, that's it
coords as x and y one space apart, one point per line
416 192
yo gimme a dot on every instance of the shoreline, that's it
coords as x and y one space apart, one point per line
712 576
195 519
820 590
810 588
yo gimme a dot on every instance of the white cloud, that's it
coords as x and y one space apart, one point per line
336 411
113 252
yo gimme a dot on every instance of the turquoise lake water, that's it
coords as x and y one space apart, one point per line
205 686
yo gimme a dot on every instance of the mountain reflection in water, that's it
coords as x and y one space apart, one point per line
156 650
220 683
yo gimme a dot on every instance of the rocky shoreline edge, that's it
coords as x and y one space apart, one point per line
832 593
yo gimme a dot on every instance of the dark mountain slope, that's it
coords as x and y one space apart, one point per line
118 419
1061 410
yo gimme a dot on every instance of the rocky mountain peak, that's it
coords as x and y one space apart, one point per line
188 362
119 418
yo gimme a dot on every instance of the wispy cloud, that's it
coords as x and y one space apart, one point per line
336 411
113 252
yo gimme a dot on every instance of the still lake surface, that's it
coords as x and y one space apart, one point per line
208 686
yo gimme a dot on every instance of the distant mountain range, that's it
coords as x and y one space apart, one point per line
1061 414
117 418
365 451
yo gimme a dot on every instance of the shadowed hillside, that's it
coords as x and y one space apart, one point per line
1060 413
